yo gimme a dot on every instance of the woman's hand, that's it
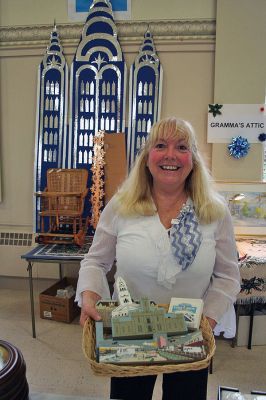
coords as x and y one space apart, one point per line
212 322
88 309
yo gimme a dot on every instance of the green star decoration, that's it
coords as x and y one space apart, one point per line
215 109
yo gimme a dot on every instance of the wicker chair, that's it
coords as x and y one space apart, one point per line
62 202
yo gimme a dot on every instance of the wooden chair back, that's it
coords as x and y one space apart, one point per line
71 184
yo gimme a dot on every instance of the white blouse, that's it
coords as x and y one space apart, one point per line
142 249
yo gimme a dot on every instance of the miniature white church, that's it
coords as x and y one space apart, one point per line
125 301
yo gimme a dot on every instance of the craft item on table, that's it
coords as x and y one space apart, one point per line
190 308
66 293
63 250
239 147
252 266
251 247
97 188
62 205
253 282
185 236
214 109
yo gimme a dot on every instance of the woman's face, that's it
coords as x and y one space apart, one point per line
170 162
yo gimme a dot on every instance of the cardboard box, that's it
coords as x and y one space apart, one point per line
258 332
57 308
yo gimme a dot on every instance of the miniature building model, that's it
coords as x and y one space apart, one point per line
146 335
125 302
105 308
146 321
123 293
132 320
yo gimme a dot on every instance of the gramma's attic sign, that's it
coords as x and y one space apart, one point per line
230 120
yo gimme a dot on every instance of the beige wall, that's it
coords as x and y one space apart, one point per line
240 77
26 12
192 77
188 86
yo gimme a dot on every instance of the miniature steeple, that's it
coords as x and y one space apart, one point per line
122 291
97 87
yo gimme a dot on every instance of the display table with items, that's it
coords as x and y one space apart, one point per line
54 254
251 301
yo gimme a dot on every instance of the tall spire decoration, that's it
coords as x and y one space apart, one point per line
96 93
51 115
97 86
145 84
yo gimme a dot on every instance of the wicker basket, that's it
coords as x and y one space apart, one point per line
103 369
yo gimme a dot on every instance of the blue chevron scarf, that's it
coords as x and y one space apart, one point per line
185 236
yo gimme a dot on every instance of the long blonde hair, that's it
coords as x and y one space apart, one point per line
134 197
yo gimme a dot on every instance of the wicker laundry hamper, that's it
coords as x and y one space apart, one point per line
104 369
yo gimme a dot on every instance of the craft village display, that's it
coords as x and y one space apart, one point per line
73 108
144 333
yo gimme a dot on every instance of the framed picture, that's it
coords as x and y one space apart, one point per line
78 9
247 204
229 393
226 393
259 393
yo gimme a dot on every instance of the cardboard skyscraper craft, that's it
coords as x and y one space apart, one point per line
51 117
143 333
145 90
72 110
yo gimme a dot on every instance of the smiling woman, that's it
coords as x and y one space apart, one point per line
170 163
159 227
136 197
